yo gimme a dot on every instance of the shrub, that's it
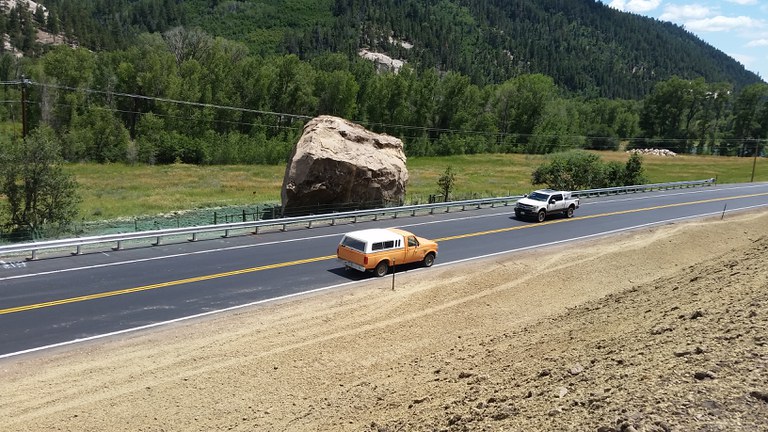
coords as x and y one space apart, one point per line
579 169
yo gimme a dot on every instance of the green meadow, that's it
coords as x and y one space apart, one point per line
116 190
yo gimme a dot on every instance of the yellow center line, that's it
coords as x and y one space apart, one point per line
500 230
160 285
328 257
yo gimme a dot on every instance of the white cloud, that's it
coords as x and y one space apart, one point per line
721 23
682 12
758 43
744 2
637 6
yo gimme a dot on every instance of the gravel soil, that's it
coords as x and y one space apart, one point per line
660 329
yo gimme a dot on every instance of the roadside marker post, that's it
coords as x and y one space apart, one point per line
393 275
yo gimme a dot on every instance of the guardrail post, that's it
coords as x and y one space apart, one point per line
75 245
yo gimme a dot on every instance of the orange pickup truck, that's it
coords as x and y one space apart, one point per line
378 249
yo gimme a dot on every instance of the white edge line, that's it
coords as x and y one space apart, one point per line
184 318
605 233
316 290
222 249
248 246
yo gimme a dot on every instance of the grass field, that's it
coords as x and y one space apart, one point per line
116 190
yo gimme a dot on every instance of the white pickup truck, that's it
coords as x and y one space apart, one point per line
538 204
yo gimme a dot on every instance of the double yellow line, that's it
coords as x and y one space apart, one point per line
328 257
555 221
159 285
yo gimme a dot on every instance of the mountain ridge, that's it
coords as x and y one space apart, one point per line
587 47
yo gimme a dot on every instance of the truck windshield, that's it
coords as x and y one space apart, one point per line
353 243
536 196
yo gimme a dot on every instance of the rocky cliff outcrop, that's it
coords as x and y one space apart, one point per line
382 62
337 165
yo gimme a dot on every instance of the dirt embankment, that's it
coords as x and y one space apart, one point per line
655 330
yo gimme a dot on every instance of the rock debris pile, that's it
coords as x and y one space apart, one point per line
653 152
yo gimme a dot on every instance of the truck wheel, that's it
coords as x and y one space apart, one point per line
518 214
381 269
429 259
569 212
541 216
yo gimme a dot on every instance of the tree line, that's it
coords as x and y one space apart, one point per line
183 96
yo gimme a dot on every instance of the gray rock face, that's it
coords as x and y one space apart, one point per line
336 163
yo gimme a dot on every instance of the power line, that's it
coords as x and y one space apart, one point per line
246 110
499 135
173 101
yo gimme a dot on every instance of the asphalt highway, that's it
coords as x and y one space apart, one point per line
65 300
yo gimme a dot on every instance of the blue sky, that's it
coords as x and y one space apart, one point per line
738 28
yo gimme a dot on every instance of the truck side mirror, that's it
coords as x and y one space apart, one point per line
552 201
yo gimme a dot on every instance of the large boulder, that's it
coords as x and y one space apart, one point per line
339 165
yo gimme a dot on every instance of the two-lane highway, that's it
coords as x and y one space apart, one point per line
57 301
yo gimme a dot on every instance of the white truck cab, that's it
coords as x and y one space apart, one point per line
538 204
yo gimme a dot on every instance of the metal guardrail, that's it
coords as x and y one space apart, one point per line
642 188
227 230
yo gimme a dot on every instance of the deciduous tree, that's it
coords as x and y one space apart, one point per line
39 192
446 182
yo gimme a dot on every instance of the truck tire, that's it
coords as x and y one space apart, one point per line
569 212
381 269
541 215
429 259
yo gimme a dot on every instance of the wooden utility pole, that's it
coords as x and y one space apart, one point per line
24 126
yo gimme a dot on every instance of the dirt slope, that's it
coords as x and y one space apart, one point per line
655 330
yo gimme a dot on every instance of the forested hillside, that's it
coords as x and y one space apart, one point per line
207 81
183 94
586 47
161 82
